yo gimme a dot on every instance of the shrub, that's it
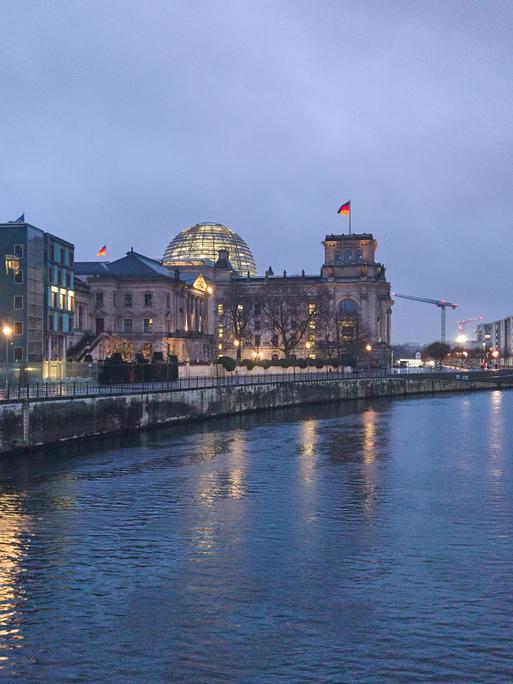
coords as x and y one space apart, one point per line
318 363
227 363
265 364
302 363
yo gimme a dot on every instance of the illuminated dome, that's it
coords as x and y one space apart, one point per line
202 242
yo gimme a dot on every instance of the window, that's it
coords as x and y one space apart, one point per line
147 298
59 274
257 340
274 340
257 309
52 252
168 301
18 277
220 309
50 275
100 325
128 299
18 327
18 301
127 325
80 316
55 302
348 307
59 319
50 322
338 257
258 325
359 255
18 353
148 325
71 303
18 251
114 299
312 309
348 256
62 301
68 280
99 298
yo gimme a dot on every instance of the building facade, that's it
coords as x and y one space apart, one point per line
149 308
497 336
194 303
36 293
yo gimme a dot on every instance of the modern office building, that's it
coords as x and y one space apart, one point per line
36 293
497 337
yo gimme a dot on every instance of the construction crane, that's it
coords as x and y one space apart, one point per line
462 323
442 304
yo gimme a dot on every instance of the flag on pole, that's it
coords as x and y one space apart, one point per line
102 251
345 209
20 219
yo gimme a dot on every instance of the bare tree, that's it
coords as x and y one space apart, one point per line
114 344
238 314
339 335
289 309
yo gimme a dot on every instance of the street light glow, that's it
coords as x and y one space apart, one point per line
461 339
7 330
368 348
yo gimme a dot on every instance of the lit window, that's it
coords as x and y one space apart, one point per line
18 327
18 277
148 325
220 309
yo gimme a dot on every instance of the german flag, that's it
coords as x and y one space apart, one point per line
345 209
102 251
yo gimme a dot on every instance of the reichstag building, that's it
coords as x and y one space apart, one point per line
205 298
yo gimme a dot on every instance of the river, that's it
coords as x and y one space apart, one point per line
368 541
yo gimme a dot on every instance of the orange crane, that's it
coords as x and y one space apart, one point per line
442 304
461 324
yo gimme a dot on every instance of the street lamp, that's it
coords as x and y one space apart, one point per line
7 331
236 344
308 346
495 355
368 349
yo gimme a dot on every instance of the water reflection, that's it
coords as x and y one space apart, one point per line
14 526
369 422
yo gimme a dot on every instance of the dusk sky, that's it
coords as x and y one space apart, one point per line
124 122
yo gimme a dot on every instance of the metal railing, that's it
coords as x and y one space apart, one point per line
85 388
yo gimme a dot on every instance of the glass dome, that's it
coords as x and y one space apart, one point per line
203 242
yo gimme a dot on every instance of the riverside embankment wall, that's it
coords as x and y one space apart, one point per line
28 424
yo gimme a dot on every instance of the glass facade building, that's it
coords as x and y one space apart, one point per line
203 241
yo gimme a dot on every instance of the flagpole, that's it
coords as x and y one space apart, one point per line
350 212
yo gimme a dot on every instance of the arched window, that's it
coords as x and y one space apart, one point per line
348 256
348 307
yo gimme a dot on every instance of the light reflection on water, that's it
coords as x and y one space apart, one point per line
369 542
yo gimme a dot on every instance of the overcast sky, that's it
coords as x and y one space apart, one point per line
124 122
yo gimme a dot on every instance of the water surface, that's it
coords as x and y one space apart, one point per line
352 542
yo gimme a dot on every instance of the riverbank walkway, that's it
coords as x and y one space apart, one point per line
84 388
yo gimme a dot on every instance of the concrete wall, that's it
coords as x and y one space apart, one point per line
48 421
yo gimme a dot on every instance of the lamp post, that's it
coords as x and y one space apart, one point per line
308 346
465 354
368 349
236 344
495 355
7 331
